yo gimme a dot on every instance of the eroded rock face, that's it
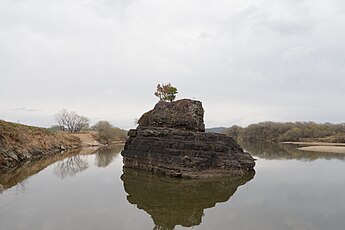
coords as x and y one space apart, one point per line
182 114
166 142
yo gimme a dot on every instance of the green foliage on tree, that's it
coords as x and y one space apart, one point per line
166 92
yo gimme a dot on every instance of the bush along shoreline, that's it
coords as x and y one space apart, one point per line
289 132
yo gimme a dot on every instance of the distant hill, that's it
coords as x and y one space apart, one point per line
216 130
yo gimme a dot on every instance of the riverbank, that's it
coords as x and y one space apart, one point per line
326 149
320 147
21 143
14 176
315 143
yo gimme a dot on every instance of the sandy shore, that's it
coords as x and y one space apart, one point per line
315 143
325 149
320 147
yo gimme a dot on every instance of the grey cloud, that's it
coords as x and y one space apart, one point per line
24 109
246 60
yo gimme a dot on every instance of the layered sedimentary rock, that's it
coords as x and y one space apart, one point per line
170 139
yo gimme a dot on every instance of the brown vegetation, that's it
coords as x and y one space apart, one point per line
21 142
108 134
280 132
285 151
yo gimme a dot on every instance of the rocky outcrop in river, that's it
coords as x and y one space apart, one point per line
171 140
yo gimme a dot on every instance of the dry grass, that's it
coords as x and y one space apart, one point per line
17 136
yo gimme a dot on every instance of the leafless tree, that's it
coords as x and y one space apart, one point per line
71 121
70 166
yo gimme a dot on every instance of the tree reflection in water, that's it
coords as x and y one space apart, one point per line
172 201
67 164
75 164
70 166
2 188
106 155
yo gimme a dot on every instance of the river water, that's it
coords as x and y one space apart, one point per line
291 189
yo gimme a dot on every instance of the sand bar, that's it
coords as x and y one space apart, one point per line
316 143
327 149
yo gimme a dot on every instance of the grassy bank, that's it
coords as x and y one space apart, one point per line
19 143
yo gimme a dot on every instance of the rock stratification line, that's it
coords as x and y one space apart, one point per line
171 140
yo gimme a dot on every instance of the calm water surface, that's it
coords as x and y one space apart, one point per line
290 190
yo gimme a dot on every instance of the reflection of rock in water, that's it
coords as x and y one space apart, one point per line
172 201
106 155
70 166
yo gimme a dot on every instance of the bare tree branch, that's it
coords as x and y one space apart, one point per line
71 121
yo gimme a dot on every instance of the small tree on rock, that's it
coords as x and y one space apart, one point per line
166 92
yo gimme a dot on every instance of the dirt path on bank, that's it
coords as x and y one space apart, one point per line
86 139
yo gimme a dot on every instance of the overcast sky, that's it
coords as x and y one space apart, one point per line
247 61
